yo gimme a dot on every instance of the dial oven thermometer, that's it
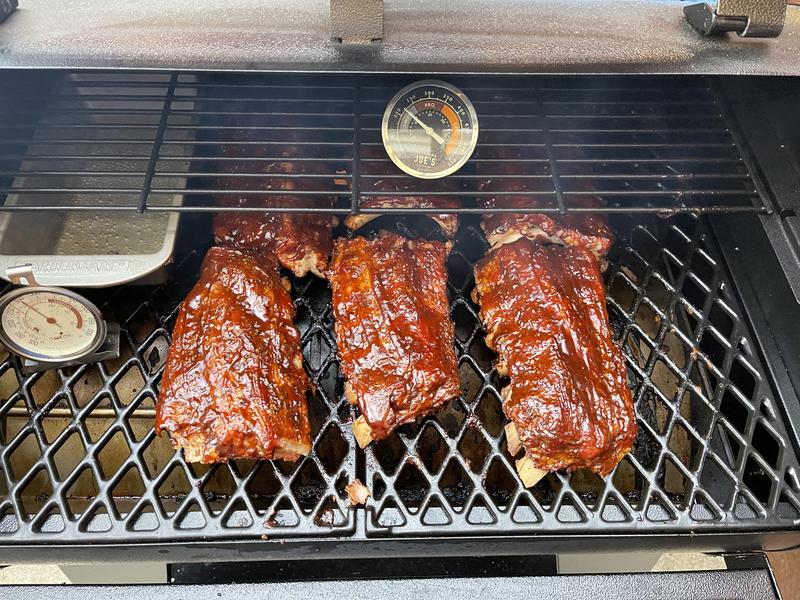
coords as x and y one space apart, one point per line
430 129
52 327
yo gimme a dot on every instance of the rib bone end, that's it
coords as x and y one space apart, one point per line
362 432
350 394
512 439
528 473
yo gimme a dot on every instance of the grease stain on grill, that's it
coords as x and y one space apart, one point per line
455 484
499 483
411 486
283 515
329 514
431 449
308 486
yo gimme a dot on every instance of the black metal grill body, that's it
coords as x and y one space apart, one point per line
715 456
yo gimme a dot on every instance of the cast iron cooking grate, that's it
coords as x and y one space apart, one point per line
709 449
80 460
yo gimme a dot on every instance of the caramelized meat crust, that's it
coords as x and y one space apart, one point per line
234 384
585 230
544 311
302 242
393 328
406 199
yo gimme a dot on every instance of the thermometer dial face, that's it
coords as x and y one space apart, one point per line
50 324
430 129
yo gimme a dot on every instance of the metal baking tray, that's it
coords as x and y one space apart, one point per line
77 154
132 248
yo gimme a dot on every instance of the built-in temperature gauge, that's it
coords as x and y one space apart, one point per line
430 129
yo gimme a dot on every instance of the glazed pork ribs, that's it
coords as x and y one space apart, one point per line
506 189
400 193
301 241
234 386
544 311
393 330
584 229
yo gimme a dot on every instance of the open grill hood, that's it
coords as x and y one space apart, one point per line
518 36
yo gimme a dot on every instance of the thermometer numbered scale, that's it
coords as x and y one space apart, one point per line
51 327
430 129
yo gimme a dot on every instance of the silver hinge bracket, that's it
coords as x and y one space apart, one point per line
21 275
6 8
356 21
748 18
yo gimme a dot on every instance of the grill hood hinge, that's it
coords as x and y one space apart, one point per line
748 18
6 8
356 21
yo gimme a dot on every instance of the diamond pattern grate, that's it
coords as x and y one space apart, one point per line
80 461
80 458
710 448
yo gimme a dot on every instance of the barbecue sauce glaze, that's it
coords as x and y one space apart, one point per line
544 311
393 327
234 384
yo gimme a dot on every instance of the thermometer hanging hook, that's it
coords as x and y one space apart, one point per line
22 275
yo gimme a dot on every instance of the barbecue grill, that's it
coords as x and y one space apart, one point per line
699 175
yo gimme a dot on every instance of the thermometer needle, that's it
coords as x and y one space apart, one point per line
427 128
50 320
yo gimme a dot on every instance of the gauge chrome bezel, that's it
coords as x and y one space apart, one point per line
473 116
12 346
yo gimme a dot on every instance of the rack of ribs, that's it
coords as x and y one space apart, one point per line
234 384
301 241
544 311
393 330
585 229
400 194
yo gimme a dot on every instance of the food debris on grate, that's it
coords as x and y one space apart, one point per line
357 492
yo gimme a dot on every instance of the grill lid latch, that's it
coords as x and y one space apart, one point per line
748 18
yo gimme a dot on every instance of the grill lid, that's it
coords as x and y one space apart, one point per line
502 36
